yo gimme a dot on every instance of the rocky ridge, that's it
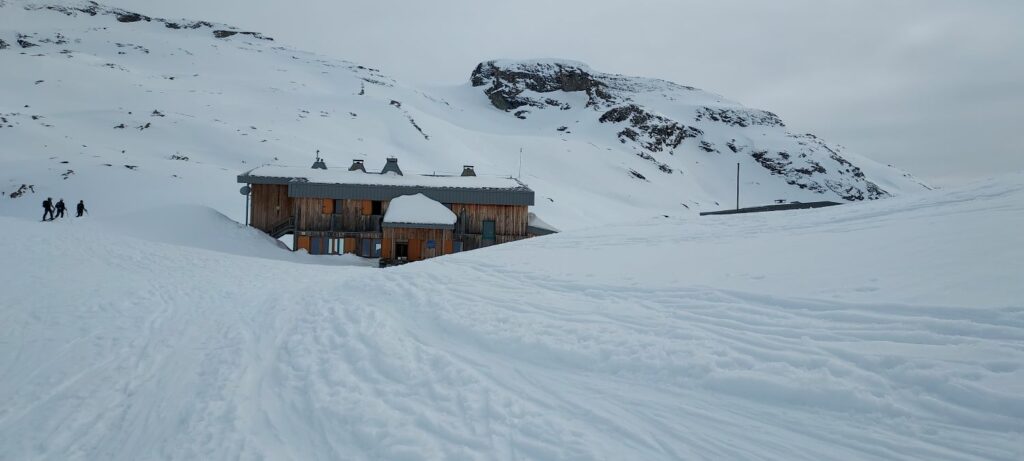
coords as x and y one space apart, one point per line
653 130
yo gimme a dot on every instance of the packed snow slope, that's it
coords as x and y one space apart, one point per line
129 111
878 330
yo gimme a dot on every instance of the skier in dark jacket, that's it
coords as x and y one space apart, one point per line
61 208
48 208
81 208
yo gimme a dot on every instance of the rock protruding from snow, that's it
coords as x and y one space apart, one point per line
508 80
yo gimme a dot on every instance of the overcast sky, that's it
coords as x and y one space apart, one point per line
933 86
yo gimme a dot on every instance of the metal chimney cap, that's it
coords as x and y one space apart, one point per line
467 170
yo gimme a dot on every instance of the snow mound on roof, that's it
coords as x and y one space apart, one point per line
418 209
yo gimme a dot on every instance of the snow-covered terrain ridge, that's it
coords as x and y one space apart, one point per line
890 330
126 110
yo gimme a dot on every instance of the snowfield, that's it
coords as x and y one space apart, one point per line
884 330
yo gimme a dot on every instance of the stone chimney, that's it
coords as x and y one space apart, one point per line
467 170
319 164
357 165
391 167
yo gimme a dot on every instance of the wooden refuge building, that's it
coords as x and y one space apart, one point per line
388 215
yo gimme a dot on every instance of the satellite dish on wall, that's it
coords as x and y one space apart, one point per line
245 190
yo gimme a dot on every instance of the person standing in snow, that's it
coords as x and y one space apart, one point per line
61 208
48 208
81 208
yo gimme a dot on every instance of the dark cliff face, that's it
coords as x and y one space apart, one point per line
506 84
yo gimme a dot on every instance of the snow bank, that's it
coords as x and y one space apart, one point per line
199 227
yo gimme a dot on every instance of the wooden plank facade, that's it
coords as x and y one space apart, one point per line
270 206
353 221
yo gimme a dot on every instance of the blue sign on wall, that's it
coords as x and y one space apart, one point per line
430 244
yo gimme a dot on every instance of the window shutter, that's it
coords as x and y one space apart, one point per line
328 206
367 207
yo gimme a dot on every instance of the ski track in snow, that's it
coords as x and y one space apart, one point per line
113 347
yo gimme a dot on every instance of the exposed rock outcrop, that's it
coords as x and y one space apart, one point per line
506 84
653 132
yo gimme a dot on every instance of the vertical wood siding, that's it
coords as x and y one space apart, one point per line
269 206
508 219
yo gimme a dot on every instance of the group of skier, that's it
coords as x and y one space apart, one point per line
49 208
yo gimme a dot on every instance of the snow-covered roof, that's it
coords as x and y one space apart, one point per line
273 174
418 211
339 183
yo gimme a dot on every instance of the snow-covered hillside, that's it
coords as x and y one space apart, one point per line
128 111
885 330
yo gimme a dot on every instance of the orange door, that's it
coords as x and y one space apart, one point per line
415 250
303 242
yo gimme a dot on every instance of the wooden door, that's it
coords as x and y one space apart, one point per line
303 242
415 249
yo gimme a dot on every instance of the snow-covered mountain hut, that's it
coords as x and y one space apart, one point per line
335 210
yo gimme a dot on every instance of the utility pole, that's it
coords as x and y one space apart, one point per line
520 175
737 185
